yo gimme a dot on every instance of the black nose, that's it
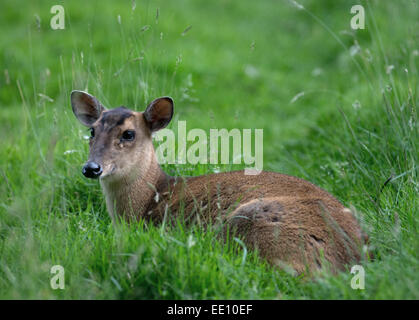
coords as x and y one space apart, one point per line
92 170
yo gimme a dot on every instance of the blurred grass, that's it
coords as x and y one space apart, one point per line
228 64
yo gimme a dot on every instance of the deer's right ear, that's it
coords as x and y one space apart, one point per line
86 107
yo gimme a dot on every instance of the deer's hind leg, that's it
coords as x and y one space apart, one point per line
291 232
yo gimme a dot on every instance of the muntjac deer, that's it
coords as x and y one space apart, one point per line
290 221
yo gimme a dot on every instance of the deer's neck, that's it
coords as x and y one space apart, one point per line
130 196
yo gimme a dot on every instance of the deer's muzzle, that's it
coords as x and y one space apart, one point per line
92 170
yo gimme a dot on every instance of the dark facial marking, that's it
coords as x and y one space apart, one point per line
114 118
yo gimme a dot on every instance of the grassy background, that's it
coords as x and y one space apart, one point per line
338 107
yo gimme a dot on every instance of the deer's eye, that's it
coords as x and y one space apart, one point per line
128 135
92 132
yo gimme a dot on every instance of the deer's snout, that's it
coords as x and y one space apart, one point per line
92 170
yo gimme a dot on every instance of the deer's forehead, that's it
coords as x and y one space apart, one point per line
115 118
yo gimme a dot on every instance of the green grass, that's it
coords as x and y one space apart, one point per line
354 132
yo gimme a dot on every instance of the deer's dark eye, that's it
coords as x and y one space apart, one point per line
128 135
92 132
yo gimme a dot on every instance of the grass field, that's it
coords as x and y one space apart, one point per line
338 107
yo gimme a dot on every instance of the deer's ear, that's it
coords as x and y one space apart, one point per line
86 107
159 113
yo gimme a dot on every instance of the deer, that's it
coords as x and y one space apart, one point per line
288 221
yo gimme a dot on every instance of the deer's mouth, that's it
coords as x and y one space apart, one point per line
108 171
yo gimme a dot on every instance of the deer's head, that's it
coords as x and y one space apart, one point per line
120 138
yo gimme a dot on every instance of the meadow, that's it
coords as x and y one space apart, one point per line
338 107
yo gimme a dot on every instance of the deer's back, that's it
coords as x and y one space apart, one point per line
214 195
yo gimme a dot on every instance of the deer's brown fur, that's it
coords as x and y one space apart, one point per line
290 221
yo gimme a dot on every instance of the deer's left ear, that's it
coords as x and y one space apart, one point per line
86 107
159 113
